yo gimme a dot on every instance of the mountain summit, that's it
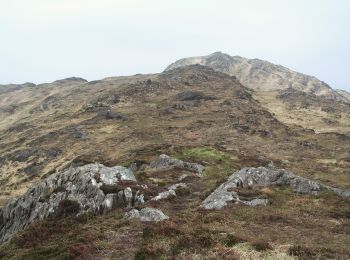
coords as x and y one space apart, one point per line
294 98
262 75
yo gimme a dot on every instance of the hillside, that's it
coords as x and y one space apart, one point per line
196 114
343 93
269 81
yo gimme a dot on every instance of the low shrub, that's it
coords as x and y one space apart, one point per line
81 251
67 208
301 252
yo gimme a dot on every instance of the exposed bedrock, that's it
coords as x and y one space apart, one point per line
165 162
261 176
92 188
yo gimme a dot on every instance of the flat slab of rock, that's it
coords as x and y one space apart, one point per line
261 176
146 214
165 162
82 185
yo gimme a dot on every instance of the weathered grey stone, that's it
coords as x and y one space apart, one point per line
128 196
164 162
171 192
138 199
182 177
146 214
165 195
82 185
340 192
261 176
111 175
177 185
109 201
304 186
256 202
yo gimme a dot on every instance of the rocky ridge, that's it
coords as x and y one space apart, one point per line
262 177
262 75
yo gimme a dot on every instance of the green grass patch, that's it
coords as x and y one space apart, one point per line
205 154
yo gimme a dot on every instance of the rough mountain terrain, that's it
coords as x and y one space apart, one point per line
209 126
343 93
317 105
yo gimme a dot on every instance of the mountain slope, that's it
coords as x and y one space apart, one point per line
52 126
191 113
321 108
262 75
343 93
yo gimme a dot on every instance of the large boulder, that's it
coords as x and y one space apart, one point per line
261 176
85 186
165 162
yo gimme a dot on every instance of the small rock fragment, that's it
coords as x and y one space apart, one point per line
146 214
165 195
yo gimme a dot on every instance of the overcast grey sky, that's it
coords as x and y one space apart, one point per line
45 40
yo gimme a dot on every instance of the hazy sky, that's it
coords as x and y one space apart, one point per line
45 40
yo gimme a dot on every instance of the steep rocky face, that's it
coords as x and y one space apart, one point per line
92 188
261 177
343 93
261 75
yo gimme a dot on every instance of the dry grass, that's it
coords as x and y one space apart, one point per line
312 117
220 133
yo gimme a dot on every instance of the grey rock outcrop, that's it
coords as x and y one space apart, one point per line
171 192
146 214
165 195
340 192
165 162
84 185
261 176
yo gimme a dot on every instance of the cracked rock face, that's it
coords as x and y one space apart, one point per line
165 162
82 185
261 176
146 214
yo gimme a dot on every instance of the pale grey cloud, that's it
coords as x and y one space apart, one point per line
43 40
